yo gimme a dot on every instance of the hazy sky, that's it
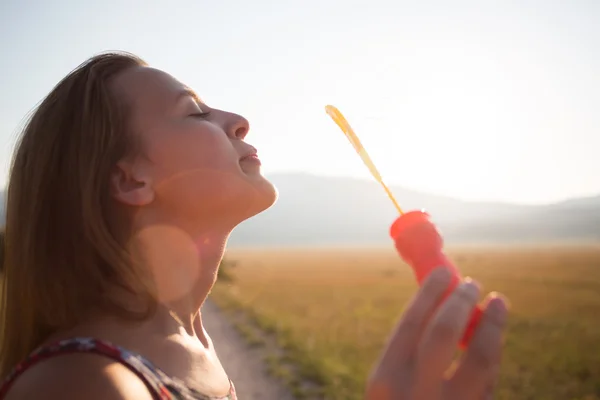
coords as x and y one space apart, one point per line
480 100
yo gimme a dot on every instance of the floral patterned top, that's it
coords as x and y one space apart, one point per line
162 386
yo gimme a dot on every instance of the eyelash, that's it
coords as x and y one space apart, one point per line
200 115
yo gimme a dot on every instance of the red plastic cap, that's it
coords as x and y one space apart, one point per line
407 221
419 243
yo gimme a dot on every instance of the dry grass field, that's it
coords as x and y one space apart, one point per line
331 311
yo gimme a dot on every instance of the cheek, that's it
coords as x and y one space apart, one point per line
193 165
190 151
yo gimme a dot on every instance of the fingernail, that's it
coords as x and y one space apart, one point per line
470 288
498 310
470 281
496 295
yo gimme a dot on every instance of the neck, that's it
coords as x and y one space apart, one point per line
184 267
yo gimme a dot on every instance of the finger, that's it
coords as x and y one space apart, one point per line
440 339
406 335
396 356
396 359
479 367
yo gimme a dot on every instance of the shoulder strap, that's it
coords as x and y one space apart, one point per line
133 362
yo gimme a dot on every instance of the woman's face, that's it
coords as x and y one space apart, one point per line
194 165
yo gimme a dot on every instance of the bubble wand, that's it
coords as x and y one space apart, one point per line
416 238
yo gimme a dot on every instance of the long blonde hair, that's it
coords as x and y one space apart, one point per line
61 253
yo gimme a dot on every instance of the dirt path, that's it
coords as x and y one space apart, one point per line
244 364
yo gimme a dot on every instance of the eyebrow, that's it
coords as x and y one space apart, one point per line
187 92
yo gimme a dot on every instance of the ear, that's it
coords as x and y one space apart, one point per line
131 184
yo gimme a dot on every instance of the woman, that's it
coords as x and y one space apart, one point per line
123 191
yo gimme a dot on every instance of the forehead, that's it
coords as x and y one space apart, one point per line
148 90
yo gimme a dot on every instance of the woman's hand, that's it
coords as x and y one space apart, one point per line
416 363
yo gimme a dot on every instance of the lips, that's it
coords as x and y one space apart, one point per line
251 157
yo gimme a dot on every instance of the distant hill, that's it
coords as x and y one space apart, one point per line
314 210
323 211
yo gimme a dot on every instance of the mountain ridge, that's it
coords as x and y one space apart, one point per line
325 218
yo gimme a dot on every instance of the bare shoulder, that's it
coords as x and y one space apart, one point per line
79 376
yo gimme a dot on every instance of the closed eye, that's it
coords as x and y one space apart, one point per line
200 115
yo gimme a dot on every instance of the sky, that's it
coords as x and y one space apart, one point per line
479 100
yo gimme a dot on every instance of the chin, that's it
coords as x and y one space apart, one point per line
265 195
249 197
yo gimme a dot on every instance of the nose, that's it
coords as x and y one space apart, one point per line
237 126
